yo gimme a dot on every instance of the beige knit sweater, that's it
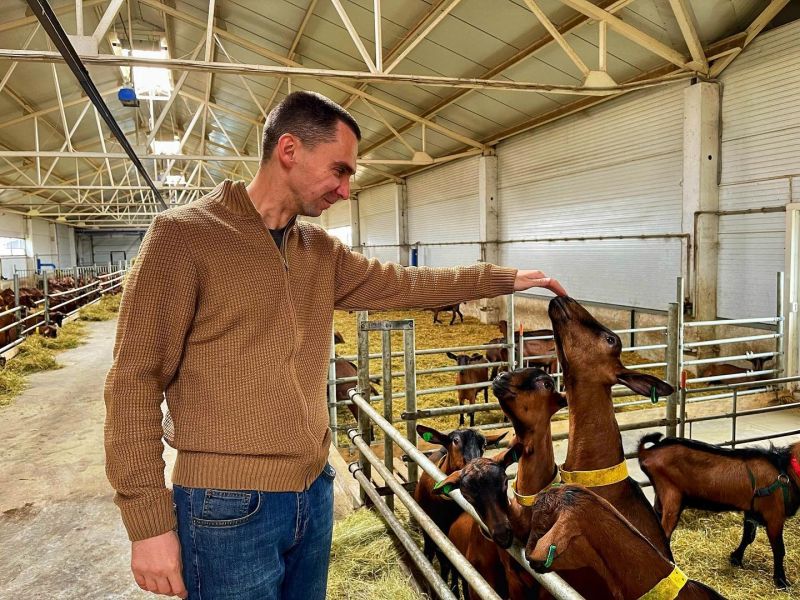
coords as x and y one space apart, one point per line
235 333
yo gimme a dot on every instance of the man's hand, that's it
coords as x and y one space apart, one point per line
156 565
528 279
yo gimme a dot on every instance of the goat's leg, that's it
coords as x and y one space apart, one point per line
749 526
486 395
472 414
460 415
670 509
460 314
775 535
493 374
453 319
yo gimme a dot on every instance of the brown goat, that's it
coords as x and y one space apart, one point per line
484 484
454 308
763 484
590 358
459 447
467 377
717 369
573 528
532 348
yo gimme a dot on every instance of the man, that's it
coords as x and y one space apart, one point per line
227 313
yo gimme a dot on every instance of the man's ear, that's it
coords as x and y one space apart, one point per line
448 484
432 436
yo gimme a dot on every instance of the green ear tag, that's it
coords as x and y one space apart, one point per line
551 555
427 436
448 488
653 395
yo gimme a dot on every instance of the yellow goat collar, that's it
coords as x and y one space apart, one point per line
524 500
668 588
596 478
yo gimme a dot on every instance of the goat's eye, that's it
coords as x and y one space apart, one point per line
456 442
610 340
548 385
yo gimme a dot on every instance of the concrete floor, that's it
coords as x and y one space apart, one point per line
60 534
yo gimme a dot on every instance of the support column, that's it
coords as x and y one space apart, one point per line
355 224
490 309
701 144
401 212
791 302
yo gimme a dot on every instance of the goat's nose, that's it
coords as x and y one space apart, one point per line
504 538
538 566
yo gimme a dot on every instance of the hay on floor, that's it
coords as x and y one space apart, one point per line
365 561
104 309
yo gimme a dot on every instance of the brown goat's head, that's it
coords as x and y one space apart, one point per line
467 359
588 348
484 484
462 445
528 397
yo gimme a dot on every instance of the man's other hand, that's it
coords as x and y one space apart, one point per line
156 565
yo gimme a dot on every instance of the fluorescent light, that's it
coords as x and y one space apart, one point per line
174 180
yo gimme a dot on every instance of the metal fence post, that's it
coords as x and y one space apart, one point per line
733 418
680 341
364 388
386 361
16 304
673 377
45 289
333 414
780 345
410 359
510 331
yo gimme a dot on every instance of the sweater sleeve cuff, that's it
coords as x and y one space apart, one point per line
502 280
146 520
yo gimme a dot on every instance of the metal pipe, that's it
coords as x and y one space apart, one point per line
746 384
550 581
720 342
732 322
432 351
718 359
461 564
672 374
780 341
419 558
731 376
363 385
409 347
388 447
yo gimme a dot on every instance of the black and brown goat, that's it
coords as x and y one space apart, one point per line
470 376
763 484
720 369
453 308
459 448
545 348
572 529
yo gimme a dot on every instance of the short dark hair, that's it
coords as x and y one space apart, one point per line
310 116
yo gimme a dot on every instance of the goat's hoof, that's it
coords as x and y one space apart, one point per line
781 583
736 560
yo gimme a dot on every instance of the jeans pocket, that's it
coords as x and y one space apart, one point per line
227 508
329 472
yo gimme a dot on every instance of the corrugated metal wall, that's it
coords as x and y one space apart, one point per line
448 193
338 215
760 152
65 238
612 170
378 222
101 248
44 241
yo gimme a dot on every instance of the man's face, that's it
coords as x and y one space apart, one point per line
322 174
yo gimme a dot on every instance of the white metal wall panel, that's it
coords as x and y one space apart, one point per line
760 153
65 238
116 246
44 241
379 222
12 225
614 170
338 215
445 194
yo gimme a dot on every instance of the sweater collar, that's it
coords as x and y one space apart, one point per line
233 196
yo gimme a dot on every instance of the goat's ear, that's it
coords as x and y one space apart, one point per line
448 484
511 455
476 356
453 356
644 384
503 327
491 440
430 435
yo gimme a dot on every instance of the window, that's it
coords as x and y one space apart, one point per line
12 246
166 147
343 233
150 83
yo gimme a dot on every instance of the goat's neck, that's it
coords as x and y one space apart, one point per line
629 564
536 469
594 439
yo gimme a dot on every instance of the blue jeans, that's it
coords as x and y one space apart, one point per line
250 545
